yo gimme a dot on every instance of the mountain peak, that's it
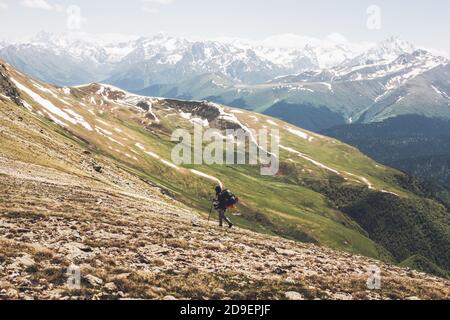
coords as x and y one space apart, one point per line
385 51
396 45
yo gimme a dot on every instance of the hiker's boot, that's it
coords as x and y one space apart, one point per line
230 225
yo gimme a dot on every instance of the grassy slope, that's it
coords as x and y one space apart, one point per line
419 262
295 208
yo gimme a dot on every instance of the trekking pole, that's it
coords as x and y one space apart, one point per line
210 211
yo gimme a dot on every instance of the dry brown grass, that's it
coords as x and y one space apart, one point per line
178 243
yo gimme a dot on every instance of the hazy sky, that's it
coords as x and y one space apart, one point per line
425 23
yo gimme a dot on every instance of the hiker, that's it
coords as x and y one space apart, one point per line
223 201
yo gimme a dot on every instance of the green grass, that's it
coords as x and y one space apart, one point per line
420 263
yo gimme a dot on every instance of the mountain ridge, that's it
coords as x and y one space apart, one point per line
413 83
242 60
366 84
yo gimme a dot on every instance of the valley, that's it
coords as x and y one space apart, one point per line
413 144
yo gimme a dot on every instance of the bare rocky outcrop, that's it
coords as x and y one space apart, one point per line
7 87
196 108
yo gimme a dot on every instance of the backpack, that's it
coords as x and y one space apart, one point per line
228 199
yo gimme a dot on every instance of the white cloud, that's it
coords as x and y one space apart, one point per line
3 6
41 4
337 38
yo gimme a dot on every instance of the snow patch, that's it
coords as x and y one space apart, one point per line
108 135
131 157
204 175
389 192
154 155
170 164
115 141
200 121
140 146
102 122
51 107
299 133
103 131
364 180
317 163
329 86
295 87
233 119
65 102
43 89
443 94
185 115
27 105
79 119
272 123
129 99
56 120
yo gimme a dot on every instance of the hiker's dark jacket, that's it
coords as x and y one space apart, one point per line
222 200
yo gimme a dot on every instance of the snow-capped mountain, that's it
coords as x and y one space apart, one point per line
350 80
165 59
84 47
137 62
405 66
287 50
391 68
383 52
398 80
3 44
324 54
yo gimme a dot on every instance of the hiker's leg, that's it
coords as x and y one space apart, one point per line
221 216
227 220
